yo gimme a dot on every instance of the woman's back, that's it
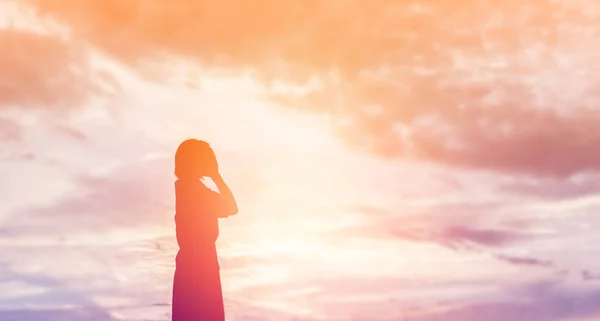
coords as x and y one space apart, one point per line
196 225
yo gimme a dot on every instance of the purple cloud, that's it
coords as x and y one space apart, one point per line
454 235
551 305
586 275
132 196
525 261
455 225
460 229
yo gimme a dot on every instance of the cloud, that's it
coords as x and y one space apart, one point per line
461 237
9 130
486 86
58 314
456 225
71 132
525 261
545 301
56 292
131 196
557 308
589 276
486 237
553 189
41 71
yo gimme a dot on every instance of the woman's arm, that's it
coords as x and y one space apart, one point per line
226 202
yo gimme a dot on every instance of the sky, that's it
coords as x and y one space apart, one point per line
392 161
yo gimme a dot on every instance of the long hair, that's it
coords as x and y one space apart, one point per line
194 158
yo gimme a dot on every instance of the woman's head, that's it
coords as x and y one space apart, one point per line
194 159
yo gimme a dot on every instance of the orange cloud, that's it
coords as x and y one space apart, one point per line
42 71
464 83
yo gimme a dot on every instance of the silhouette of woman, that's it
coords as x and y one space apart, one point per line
197 294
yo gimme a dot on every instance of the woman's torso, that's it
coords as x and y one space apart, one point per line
197 227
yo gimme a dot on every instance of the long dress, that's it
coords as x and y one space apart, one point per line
197 293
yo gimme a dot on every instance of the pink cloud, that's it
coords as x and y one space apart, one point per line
553 189
525 261
9 130
43 72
